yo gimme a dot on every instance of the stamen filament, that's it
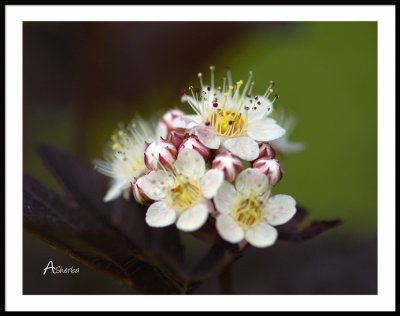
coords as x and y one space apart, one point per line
246 87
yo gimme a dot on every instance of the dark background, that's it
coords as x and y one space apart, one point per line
81 79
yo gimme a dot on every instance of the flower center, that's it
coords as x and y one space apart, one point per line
248 213
184 194
227 123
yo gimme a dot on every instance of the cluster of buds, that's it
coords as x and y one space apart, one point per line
219 162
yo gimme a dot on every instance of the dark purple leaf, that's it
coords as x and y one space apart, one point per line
292 232
84 237
112 236
87 187
310 231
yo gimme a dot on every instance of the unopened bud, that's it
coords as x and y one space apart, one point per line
193 143
165 125
229 164
138 194
271 168
176 136
266 151
159 154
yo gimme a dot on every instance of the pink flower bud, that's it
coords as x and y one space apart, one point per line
159 153
229 164
193 143
176 136
271 168
266 151
138 194
165 125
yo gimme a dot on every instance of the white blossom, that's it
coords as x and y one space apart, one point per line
123 157
231 117
182 194
247 211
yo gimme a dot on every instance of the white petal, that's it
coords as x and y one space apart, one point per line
160 214
280 209
207 137
283 146
251 179
228 229
225 198
156 184
138 173
190 163
262 235
115 190
187 121
264 130
194 118
270 120
162 130
210 182
179 123
262 111
243 147
193 218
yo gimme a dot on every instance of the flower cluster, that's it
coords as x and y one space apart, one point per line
219 162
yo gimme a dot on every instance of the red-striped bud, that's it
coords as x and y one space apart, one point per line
176 136
271 168
229 164
159 154
165 125
266 151
138 194
193 143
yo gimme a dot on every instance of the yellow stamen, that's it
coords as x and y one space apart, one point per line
116 146
184 194
227 123
248 213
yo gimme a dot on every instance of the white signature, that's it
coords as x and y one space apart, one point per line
59 269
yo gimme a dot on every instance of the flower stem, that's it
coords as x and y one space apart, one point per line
225 281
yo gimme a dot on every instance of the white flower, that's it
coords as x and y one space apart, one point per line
225 115
181 195
123 157
248 212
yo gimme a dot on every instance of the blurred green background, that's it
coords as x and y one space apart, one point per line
81 79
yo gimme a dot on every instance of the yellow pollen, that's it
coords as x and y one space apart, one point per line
248 213
227 123
184 194
136 164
